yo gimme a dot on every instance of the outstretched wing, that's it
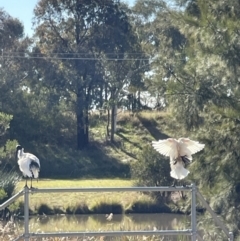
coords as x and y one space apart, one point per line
189 147
33 158
166 147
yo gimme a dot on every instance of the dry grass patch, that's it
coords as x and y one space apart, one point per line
153 115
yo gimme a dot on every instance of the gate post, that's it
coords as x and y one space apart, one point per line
193 214
26 213
230 236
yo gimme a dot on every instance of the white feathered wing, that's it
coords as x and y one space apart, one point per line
24 165
175 149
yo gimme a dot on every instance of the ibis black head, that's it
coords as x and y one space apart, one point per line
18 147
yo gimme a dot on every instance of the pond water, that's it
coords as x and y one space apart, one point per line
131 222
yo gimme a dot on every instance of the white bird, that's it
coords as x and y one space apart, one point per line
109 217
28 163
180 152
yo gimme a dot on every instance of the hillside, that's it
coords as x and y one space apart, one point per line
102 158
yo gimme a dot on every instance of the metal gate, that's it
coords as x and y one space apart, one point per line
27 235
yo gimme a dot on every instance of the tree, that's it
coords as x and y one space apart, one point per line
12 73
93 28
161 41
206 97
119 76
195 69
12 46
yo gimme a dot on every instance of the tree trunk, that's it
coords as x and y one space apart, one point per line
106 93
80 131
115 119
101 97
86 117
112 123
134 102
82 120
108 121
86 128
139 100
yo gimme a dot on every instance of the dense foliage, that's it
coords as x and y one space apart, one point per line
88 55
9 178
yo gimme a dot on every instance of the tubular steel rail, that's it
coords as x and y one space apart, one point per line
27 235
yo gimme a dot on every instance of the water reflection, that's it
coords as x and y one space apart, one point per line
99 222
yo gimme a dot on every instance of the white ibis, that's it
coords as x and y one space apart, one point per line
28 163
180 152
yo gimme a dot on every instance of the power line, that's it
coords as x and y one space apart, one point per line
71 58
141 56
73 53
75 56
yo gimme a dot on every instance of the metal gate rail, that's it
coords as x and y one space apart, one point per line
189 232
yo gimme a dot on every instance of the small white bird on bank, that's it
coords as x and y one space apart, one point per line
28 163
180 152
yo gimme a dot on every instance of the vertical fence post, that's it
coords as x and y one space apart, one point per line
26 213
230 236
193 214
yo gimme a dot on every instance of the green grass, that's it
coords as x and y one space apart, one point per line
64 162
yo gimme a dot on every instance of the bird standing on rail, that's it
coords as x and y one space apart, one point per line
28 163
180 152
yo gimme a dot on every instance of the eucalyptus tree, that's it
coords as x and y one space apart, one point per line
12 45
73 35
120 75
123 67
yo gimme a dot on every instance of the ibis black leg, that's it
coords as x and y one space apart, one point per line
174 183
26 182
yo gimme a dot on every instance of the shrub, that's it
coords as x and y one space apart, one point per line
44 209
80 208
151 169
8 182
148 207
103 208
7 156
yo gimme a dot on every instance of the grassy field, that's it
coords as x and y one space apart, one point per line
119 202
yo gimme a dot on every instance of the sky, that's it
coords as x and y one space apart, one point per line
23 10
